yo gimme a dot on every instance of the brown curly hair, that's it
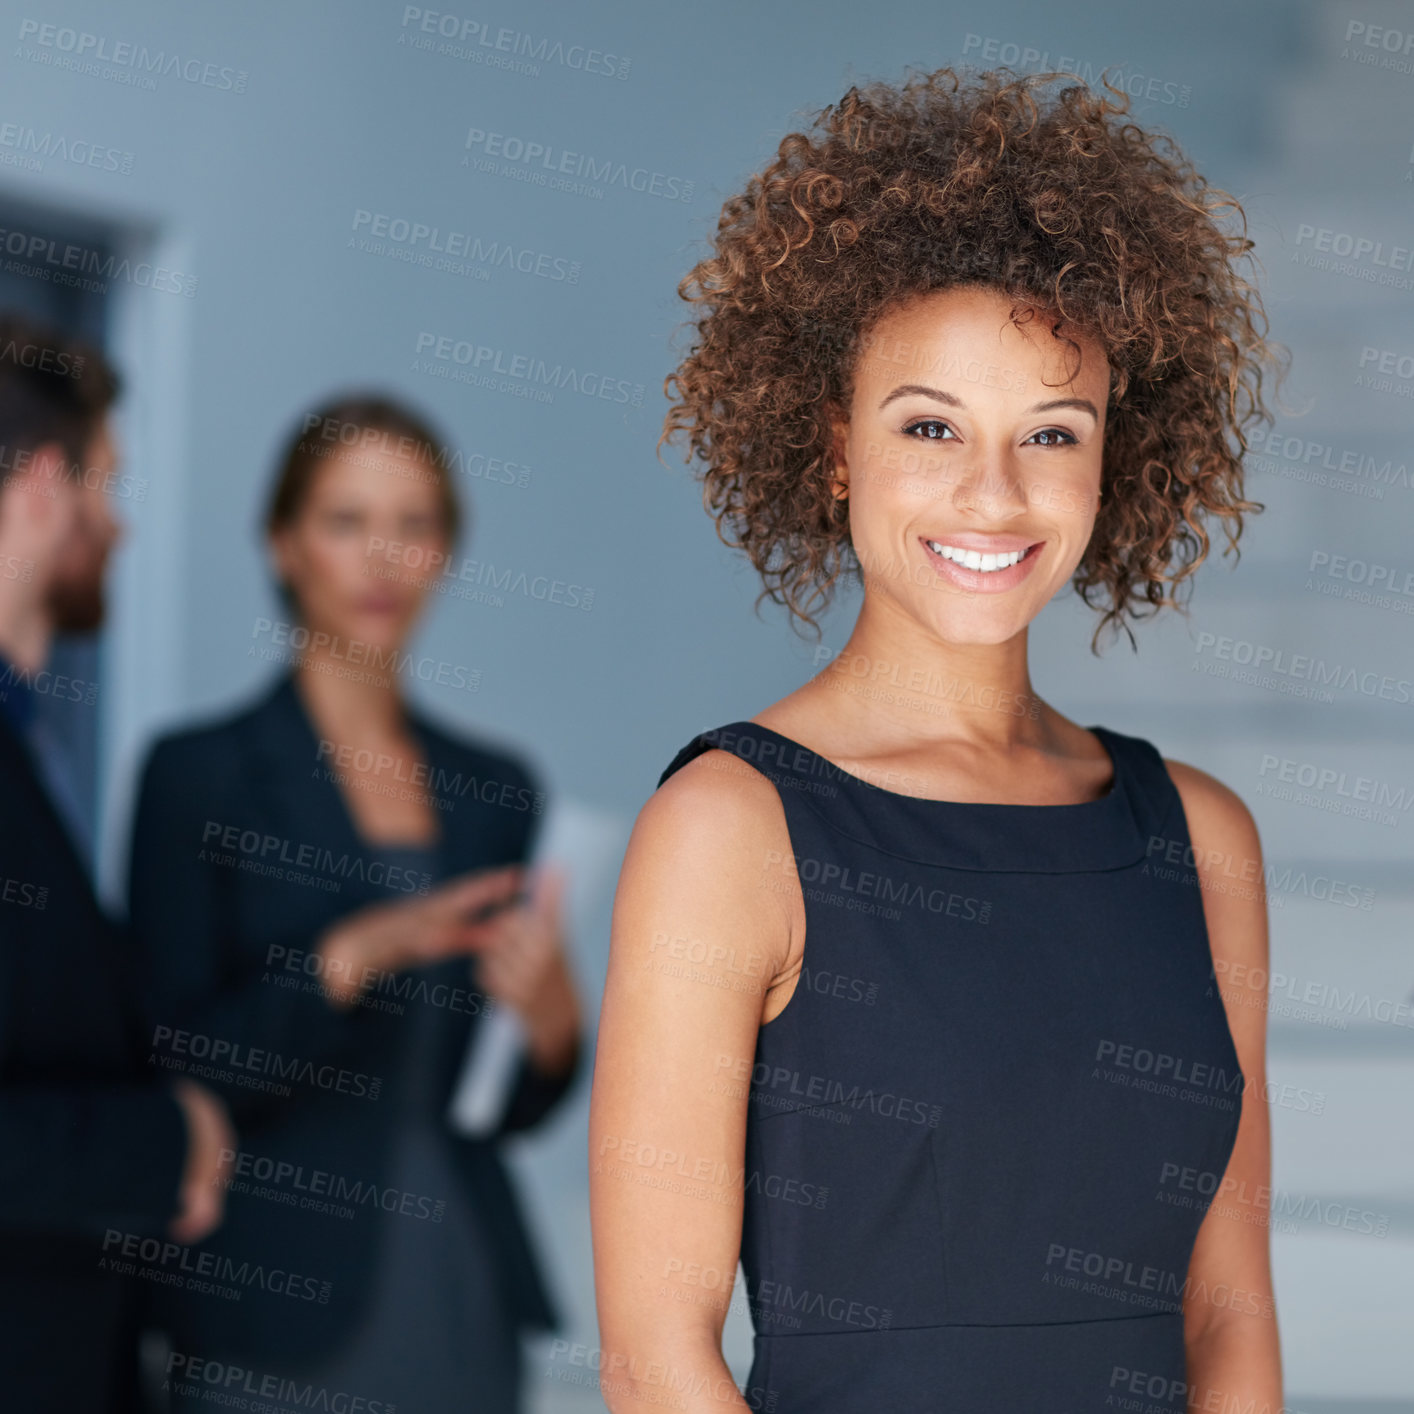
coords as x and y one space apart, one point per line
945 181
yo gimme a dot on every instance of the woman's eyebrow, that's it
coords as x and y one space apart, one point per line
1084 404
904 389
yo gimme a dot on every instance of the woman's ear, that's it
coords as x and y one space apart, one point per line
839 462
283 557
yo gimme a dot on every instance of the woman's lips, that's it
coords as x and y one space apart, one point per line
982 551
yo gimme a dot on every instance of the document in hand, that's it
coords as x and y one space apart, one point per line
585 844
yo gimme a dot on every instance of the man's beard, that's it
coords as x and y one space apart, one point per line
77 605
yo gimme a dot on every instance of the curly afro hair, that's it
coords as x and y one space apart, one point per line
1047 195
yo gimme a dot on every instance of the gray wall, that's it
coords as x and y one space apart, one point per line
256 194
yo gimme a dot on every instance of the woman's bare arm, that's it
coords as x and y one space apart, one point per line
699 935
1230 1328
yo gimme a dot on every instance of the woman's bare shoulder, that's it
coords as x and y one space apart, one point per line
714 804
707 852
1217 816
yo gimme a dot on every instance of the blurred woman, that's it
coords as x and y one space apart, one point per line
330 893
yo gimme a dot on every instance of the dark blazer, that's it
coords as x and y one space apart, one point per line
243 853
91 1143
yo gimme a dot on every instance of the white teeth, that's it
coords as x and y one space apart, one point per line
975 559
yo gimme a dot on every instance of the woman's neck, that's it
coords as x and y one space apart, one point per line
347 709
894 681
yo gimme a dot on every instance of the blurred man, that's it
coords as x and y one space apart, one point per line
93 1142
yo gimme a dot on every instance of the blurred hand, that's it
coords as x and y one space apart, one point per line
388 937
521 962
211 1147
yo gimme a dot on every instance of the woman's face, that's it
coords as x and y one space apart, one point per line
972 457
365 547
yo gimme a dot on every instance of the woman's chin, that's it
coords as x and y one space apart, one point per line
968 629
374 633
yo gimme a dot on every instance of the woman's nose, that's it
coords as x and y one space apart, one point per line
989 484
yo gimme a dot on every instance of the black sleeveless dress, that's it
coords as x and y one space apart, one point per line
979 1134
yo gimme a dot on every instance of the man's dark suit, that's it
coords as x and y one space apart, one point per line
244 852
90 1141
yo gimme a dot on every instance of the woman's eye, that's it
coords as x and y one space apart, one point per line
1054 436
938 431
342 520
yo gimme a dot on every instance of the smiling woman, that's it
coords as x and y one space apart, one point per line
1083 221
998 500
972 341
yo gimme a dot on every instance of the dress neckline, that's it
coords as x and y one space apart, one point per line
1111 832
838 772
